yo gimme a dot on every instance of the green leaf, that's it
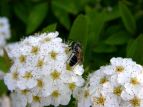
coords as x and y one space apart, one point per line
3 88
62 16
3 66
103 48
37 15
95 24
66 5
111 15
135 49
79 31
50 28
113 29
127 18
5 62
4 8
118 38
21 12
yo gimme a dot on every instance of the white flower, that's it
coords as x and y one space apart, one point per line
60 95
36 100
18 100
84 97
119 84
42 68
132 100
4 33
43 86
11 78
26 80
101 100
5 101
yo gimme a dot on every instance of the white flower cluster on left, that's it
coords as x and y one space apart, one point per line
40 75
119 84
4 33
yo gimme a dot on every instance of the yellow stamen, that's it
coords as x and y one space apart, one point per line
36 98
117 90
28 75
40 63
119 69
72 86
53 55
35 50
134 81
40 83
55 75
99 100
22 58
55 94
103 80
15 75
135 102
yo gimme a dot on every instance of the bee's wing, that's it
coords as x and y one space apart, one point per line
69 58
80 56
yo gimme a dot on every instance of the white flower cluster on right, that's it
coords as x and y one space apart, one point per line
119 84
40 75
4 33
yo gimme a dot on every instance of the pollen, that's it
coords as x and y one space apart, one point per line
55 75
119 69
68 67
40 63
135 102
103 80
134 81
46 39
117 90
35 50
53 55
22 58
40 83
24 92
36 98
55 94
72 86
67 50
86 93
99 100
15 75
28 75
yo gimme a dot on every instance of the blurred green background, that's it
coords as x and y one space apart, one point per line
105 28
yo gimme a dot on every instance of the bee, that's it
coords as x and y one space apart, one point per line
76 56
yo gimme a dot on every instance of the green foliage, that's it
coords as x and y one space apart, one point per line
127 17
79 31
5 62
36 16
3 88
50 28
118 38
105 28
135 49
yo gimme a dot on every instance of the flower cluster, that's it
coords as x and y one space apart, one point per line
40 75
4 33
119 84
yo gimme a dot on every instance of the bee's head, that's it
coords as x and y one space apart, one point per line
76 45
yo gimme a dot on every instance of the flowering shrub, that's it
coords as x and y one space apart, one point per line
35 67
119 84
40 74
